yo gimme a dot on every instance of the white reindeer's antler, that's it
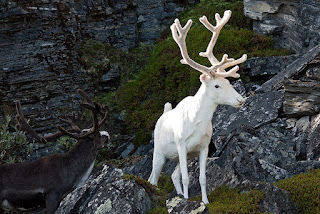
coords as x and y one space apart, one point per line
181 41
217 68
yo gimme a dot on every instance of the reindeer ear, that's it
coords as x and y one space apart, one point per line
204 78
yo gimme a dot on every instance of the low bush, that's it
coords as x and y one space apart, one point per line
13 145
304 190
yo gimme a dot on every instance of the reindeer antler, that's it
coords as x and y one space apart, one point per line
23 125
95 109
179 34
75 120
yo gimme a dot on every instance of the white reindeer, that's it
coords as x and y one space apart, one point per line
184 132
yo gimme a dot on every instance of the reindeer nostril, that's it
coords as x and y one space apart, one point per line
241 101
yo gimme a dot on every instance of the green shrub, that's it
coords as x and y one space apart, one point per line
13 145
304 190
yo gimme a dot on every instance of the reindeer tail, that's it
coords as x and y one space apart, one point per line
167 107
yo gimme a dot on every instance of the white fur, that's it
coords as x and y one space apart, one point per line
185 131
84 177
105 133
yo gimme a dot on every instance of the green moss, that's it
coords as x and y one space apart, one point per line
225 200
304 190
158 210
165 183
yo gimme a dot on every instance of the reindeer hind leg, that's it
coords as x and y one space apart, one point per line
176 176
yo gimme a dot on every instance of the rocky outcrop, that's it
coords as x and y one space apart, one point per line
294 24
107 192
39 43
39 66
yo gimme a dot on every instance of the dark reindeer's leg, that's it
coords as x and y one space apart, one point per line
51 202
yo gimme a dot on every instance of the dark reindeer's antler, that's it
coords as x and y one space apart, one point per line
23 125
95 109
75 121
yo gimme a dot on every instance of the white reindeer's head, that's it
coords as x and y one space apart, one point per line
213 77
221 91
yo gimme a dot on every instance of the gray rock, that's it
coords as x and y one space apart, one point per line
143 167
179 205
128 151
293 24
292 69
106 192
120 149
313 145
257 110
266 66
40 42
144 150
301 98
216 176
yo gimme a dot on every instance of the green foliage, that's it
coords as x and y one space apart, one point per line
165 79
13 145
165 183
66 142
304 190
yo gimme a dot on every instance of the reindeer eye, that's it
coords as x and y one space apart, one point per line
217 86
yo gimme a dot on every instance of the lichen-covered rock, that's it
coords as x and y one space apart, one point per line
179 205
106 192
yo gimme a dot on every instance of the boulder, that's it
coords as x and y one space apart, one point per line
106 192
180 205
301 98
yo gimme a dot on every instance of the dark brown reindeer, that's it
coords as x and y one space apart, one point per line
45 182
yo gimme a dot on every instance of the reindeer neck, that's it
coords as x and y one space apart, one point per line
82 154
204 106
